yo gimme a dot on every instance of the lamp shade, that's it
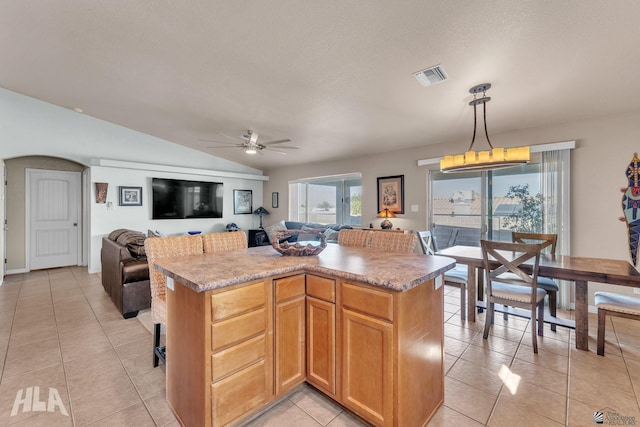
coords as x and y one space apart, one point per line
386 213
261 211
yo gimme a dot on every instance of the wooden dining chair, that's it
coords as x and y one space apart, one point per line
402 243
164 247
609 303
518 289
355 238
458 276
547 240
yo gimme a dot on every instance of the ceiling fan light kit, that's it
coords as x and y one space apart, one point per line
497 158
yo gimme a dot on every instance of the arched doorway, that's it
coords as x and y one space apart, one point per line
29 179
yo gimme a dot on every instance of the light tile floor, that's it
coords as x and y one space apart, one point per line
60 332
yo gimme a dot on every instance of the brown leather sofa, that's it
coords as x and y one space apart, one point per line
125 271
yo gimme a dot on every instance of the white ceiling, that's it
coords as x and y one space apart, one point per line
333 76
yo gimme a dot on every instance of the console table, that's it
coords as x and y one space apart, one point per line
258 237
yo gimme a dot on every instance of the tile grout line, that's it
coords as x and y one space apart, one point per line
64 370
121 363
13 323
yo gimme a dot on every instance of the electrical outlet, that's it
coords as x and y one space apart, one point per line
414 208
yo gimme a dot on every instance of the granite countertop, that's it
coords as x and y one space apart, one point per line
399 272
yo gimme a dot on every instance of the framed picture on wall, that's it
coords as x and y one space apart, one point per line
130 196
391 193
242 202
274 199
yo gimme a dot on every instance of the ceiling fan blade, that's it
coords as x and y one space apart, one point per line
288 147
219 142
228 146
276 151
279 141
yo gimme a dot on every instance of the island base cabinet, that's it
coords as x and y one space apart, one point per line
219 353
367 367
289 331
321 346
238 394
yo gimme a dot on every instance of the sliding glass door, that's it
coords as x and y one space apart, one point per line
468 207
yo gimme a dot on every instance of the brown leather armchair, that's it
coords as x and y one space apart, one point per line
125 271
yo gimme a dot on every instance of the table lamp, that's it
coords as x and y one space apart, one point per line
386 214
262 212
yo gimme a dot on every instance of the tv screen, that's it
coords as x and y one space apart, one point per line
179 199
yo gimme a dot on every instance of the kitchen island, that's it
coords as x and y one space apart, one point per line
244 328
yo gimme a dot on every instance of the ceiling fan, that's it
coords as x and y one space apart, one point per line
250 144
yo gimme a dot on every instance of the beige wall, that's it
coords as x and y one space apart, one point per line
604 148
16 227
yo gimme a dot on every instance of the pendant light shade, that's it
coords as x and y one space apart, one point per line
496 158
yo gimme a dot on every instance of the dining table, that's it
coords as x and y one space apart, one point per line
580 270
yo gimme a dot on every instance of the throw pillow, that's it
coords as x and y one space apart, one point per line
331 235
273 229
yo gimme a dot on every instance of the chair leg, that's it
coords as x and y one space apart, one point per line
488 320
156 343
541 318
505 315
534 340
463 302
601 326
553 307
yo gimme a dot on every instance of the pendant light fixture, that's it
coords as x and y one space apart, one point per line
497 158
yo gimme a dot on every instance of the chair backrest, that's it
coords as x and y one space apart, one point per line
355 238
510 257
165 247
223 242
393 242
548 240
427 242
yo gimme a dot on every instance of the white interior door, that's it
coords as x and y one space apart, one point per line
53 212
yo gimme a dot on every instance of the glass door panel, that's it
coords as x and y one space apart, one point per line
457 209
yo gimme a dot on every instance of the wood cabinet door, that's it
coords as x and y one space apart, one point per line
321 344
290 344
367 367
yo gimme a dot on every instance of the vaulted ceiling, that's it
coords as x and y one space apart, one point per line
333 76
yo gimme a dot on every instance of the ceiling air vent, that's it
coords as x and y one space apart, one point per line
430 76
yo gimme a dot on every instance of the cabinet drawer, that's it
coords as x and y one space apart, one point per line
321 288
232 359
236 395
237 328
289 287
236 301
366 300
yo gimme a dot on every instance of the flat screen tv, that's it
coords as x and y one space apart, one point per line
179 199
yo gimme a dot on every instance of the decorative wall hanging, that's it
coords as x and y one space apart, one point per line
631 205
391 194
101 192
130 196
242 202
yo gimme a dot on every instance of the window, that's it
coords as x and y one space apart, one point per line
326 200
